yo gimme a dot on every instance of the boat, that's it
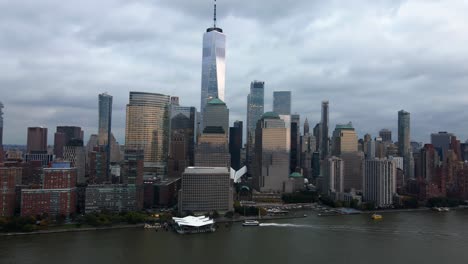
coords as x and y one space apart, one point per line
445 209
376 217
150 226
251 223
194 225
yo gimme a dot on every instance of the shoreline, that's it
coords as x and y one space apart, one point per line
76 229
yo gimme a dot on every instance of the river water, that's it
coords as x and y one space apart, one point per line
407 237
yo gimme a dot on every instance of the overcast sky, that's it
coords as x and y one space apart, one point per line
369 58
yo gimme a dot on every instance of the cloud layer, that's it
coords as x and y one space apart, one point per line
368 58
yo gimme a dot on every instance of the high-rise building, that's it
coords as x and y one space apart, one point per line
403 132
216 115
255 110
37 140
206 189
352 178
182 146
441 142
333 176
105 127
212 149
318 136
148 127
344 139
63 137
404 143
235 144
8 178
213 65
324 148
386 135
75 153
282 102
271 158
306 126
295 148
379 182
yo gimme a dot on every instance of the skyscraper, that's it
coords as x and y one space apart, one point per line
235 144
255 109
295 153
37 140
64 136
334 176
282 102
213 65
271 159
379 184
212 149
105 118
324 124
306 126
1 125
216 115
344 139
403 132
386 135
148 127
441 142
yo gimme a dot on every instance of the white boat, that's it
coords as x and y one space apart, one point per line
149 226
251 223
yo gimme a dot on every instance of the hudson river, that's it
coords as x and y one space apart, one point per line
410 237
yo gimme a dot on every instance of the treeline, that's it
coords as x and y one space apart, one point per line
108 219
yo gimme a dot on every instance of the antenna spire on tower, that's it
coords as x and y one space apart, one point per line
214 16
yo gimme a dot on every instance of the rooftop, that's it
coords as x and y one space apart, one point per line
194 221
270 115
345 126
216 101
296 175
210 170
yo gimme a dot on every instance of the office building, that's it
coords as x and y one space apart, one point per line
403 132
133 167
75 153
212 149
255 110
65 136
1 133
148 128
235 144
386 135
271 156
334 176
37 140
295 141
325 145
317 132
213 65
216 115
113 198
379 182
97 165
105 128
344 139
206 189
282 102
352 178
8 179
442 143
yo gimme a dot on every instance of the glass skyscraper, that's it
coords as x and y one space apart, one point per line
324 148
282 102
147 127
1 125
403 132
213 65
105 118
255 110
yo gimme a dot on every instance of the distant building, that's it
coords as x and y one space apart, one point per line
235 144
105 129
352 178
148 127
271 158
97 165
344 139
212 149
8 179
324 148
112 197
206 189
216 115
379 185
58 195
441 142
334 176
133 167
161 193
37 140
64 136
386 135
295 147
404 140
282 102
76 155
255 110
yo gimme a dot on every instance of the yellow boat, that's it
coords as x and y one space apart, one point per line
376 217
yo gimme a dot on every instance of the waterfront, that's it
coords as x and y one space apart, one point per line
405 237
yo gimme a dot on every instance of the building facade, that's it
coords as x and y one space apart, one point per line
216 115
8 180
344 139
379 182
148 127
212 149
206 189
235 144
334 176
37 140
324 142
282 102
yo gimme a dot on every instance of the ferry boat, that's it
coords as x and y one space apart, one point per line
194 225
376 217
251 223
440 209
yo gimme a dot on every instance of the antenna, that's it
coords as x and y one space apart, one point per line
214 16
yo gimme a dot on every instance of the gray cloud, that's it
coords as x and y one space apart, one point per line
368 58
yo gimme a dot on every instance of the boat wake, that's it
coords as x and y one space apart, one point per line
364 229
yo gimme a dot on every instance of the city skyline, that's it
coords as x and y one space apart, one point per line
102 58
